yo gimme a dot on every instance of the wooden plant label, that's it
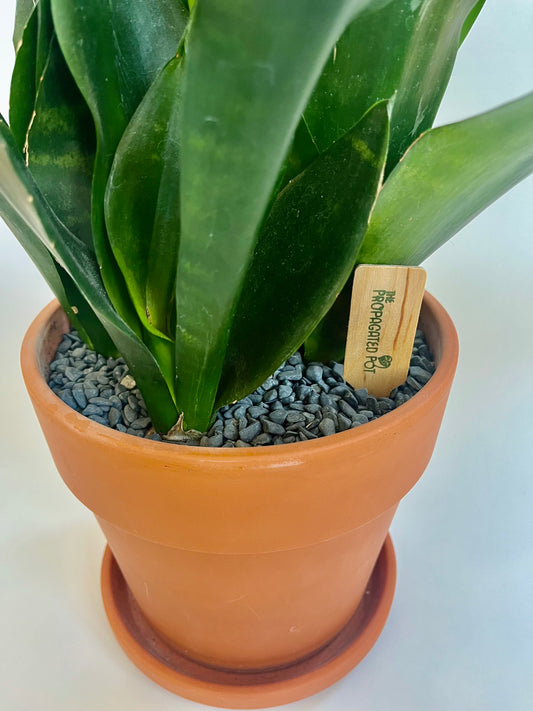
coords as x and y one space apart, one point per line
386 303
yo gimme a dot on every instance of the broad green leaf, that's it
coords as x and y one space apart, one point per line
305 253
249 71
115 49
145 236
61 146
446 178
406 48
23 12
23 207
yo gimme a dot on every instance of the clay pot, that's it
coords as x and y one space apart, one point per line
245 577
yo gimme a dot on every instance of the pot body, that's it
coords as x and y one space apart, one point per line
244 558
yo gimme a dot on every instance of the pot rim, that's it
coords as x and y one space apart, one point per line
37 385
282 497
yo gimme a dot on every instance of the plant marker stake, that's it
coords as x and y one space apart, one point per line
386 302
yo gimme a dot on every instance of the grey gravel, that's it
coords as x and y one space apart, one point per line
299 402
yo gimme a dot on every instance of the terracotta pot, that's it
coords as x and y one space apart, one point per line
239 571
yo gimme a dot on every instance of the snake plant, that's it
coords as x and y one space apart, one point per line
197 181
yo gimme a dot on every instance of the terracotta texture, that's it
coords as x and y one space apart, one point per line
244 558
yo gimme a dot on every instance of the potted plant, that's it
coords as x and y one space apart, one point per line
167 187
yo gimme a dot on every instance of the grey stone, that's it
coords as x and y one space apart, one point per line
215 441
79 395
372 404
98 418
133 402
327 427
240 443
231 431
66 396
292 374
73 374
347 409
413 384
247 434
278 416
270 395
314 372
361 396
366 413
256 411
284 391
114 416
92 410
344 423
272 428
129 415
141 423
359 419
262 439
421 375
269 384
304 434
341 390
325 400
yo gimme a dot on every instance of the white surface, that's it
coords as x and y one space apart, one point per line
460 634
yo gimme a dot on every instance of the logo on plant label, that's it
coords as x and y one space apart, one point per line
373 362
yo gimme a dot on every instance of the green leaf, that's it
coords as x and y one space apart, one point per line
23 207
249 71
472 17
23 12
435 41
410 55
24 81
328 340
145 236
61 146
115 49
446 178
305 254
81 315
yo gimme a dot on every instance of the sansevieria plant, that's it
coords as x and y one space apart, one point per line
197 181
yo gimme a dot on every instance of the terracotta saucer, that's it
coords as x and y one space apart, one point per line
247 690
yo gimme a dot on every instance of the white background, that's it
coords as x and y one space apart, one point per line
460 634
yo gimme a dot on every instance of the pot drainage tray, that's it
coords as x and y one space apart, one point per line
247 690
